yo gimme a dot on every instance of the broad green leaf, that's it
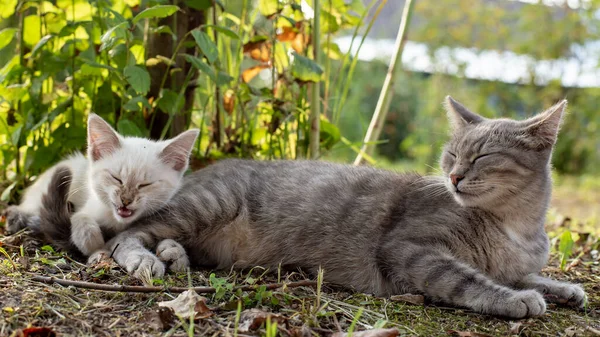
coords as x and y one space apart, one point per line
207 46
8 8
305 69
97 65
224 30
138 78
41 43
128 128
6 36
268 7
170 102
159 11
32 26
199 5
332 50
329 134
134 103
223 78
201 65
329 23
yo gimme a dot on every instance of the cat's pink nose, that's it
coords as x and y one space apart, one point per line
456 178
126 201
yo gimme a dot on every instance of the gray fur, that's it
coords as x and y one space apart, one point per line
478 244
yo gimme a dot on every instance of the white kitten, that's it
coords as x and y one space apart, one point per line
122 179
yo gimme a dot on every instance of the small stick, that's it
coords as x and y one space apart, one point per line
140 289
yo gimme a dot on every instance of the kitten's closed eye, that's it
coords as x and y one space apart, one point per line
482 156
144 185
117 179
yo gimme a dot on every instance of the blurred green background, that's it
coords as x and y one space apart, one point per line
242 71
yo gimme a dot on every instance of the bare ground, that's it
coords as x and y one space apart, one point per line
301 311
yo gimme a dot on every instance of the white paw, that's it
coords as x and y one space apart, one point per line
144 265
87 236
524 303
173 254
567 294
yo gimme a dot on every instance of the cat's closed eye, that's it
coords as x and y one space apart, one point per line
117 179
482 156
144 185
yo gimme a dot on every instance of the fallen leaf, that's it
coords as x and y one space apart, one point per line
466 334
34 332
188 303
409 298
393 332
250 73
253 319
162 318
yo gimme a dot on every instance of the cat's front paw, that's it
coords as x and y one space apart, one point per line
173 254
86 235
565 294
519 304
144 265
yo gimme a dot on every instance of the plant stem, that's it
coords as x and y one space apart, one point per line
22 64
315 104
218 129
383 104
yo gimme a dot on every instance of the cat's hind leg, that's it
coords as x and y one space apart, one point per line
16 219
555 291
173 254
434 272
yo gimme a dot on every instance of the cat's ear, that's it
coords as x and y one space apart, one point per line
102 139
460 116
178 150
542 129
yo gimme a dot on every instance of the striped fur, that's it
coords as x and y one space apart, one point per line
479 244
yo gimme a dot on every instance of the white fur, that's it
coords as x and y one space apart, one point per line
96 194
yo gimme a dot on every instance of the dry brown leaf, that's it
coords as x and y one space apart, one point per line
34 332
287 34
253 319
466 334
409 298
250 73
393 332
299 43
162 318
229 100
188 303
260 50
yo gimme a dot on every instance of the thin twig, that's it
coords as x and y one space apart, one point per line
141 289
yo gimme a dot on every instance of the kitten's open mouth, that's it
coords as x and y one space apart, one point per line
124 212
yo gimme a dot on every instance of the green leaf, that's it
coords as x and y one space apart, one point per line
223 78
268 7
138 78
199 5
97 65
305 69
329 22
225 31
329 134
162 29
108 41
565 247
201 65
41 43
47 248
129 128
7 191
207 46
170 102
6 36
160 11
134 103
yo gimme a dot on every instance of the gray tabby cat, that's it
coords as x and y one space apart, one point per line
472 238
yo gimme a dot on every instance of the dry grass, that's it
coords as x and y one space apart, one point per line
304 311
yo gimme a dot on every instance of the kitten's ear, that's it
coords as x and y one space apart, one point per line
542 129
102 139
459 115
177 152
